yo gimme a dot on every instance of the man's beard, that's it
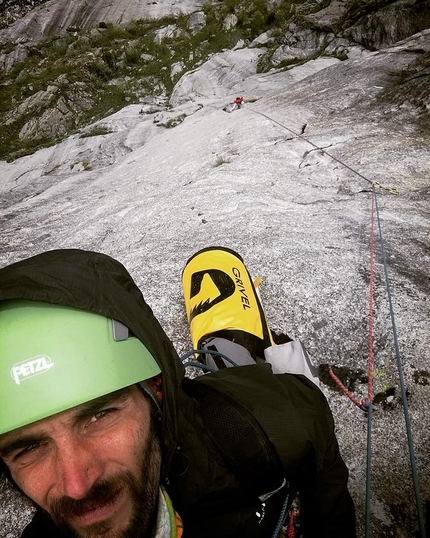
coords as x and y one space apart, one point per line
142 491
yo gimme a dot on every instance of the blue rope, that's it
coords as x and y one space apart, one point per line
402 385
399 362
203 367
204 352
281 517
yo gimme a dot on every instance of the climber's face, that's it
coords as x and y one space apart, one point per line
94 468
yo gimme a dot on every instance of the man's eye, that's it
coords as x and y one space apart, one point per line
101 414
27 450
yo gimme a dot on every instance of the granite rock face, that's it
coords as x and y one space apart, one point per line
391 24
336 30
373 24
55 18
217 77
287 182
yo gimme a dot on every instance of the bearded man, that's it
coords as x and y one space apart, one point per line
102 431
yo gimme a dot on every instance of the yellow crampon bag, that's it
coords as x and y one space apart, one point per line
221 300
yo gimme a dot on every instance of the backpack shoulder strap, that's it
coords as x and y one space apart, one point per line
238 437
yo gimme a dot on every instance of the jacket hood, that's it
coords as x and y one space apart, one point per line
98 283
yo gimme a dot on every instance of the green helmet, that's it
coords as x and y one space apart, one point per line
55 357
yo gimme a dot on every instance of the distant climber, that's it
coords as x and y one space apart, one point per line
235 105
238 101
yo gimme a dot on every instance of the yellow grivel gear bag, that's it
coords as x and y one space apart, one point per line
221 300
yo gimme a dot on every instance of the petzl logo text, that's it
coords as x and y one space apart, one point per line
25 369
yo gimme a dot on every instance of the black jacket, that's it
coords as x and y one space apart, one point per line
291 411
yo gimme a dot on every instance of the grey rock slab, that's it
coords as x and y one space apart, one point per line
262 40
328 17
230 21
300 43
168 32
235 73
262 84
390 24
196 21
55 17
216 76
258 181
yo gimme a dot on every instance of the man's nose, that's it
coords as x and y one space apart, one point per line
78 467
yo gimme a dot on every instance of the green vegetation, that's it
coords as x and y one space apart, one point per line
85 165
173 122
53 169
254 16
97 130
220 160
85 76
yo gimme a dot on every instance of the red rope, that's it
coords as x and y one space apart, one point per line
346 391
290 528
362 405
